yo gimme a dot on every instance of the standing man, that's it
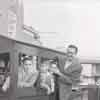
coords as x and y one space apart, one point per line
69 76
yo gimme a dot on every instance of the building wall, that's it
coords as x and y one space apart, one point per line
3 16
11 17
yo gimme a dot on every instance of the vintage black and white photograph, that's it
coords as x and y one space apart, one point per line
49 50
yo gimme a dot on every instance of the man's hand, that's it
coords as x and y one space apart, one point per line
55 70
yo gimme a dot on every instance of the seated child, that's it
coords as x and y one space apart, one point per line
46 78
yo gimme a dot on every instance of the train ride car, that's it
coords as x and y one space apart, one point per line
14 53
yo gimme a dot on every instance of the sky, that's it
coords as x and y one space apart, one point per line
64 22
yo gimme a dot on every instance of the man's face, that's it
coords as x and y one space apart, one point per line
71 52
28 65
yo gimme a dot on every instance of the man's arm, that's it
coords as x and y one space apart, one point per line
65 79
62 77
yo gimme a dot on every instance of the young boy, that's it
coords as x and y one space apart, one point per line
46 77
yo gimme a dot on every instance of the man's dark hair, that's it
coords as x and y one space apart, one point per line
73 46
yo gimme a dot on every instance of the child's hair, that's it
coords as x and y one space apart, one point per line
27 59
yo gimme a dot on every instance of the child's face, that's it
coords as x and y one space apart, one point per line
44 67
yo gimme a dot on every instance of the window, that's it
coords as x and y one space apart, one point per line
87 74
4 71
27 70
